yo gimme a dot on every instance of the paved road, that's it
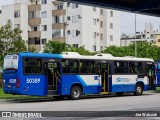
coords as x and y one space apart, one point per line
147 102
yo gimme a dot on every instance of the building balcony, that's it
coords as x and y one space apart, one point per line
58 26
60 39
58 12
34 7
36 47
33 34
34 21
56 2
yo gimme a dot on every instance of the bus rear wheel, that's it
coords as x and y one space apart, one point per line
76 92
138 90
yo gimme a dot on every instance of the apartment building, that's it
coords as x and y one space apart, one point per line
148 35
75 24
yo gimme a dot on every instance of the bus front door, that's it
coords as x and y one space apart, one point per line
53 77
104 72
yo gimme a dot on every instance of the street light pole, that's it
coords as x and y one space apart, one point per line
135 38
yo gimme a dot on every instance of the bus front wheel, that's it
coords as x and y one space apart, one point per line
76 92
138 90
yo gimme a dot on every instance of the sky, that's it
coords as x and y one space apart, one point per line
127 20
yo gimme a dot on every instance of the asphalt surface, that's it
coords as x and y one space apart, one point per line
93 106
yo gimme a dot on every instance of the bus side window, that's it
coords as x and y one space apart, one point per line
70 66
87 66
121 67
32 66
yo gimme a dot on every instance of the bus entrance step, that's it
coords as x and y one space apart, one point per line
51 87
52 92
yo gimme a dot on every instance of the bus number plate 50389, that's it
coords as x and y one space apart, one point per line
33 80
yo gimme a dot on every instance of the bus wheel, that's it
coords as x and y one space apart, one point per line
76 92
139 89
119 93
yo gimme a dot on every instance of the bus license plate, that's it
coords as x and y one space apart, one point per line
9 86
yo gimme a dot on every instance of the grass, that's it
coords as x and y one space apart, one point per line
158 89
10 96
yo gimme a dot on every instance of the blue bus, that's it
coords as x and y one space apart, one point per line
72 74
157 67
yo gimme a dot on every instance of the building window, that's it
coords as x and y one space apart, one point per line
17 26
44 41
111 37
74 5
101 47
158 40
34 14
35 41
75 19
58 19
94 8
94 21
101 36
16 13
44 27
111 13
58 33
111 25
101 11
59 7
94 47
35 28
34 2
75 33
44 14
44 2
101 24
94 35
75 45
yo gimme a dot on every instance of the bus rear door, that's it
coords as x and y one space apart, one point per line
53 77
104 70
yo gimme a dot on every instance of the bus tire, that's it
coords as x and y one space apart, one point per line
76 93
119 93
138 90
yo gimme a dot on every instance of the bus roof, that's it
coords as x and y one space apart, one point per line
78 56
43 55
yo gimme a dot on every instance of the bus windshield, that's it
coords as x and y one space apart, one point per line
10 63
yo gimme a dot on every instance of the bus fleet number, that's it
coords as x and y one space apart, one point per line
33 80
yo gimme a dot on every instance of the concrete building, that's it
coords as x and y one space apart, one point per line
78 25
148 35
158 40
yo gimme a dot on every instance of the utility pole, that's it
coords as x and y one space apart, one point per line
135 38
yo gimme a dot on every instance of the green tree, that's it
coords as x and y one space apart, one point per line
10 40
55 47
81 50
31 49
144 50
